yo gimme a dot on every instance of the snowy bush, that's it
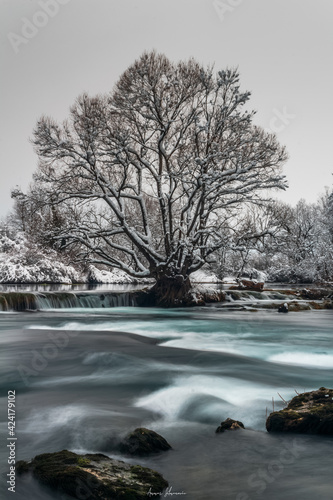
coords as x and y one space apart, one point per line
203 276
44 270
24 262
116 276
301 273
108 277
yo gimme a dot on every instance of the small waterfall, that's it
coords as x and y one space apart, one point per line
17 301
56 300
253 296
23 301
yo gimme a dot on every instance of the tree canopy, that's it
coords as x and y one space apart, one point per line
153 171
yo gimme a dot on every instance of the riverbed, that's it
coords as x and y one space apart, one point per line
84 378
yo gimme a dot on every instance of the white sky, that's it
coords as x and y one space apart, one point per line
283 49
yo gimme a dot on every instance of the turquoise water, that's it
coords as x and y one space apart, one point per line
85 377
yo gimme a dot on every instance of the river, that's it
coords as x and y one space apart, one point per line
85 377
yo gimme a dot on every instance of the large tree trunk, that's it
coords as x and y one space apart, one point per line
177 291
170 291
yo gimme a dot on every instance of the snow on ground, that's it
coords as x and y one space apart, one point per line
43 270
203 276
24 262
108 277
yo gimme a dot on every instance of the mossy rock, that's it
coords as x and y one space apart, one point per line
95 476
308 413
143 442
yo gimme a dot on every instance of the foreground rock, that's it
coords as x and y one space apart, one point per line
308 413
96 477
143 442
230 425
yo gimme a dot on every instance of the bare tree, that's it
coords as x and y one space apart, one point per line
158 166
21 214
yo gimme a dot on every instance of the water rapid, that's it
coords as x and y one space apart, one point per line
85 375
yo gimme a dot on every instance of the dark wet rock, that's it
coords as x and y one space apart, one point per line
142 442
96 477
230 425
283 308
314 293
308 413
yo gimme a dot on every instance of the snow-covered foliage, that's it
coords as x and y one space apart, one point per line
204 276
25 262
297 246
107 277
43 271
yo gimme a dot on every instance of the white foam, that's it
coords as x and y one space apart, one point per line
169 401
307 359
139 329
62 416
59 416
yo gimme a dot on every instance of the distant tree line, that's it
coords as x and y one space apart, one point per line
296 243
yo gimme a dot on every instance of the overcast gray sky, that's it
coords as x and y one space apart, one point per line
53 50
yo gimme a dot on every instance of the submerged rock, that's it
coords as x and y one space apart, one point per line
96 477
283 308
308 413
142 442
230 425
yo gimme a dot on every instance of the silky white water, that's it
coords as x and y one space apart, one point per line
86 377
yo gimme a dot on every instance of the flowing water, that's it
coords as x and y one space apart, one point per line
85 377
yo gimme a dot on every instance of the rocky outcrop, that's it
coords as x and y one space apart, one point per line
96 477
307 413
244 284
143 442
314 293
230 425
